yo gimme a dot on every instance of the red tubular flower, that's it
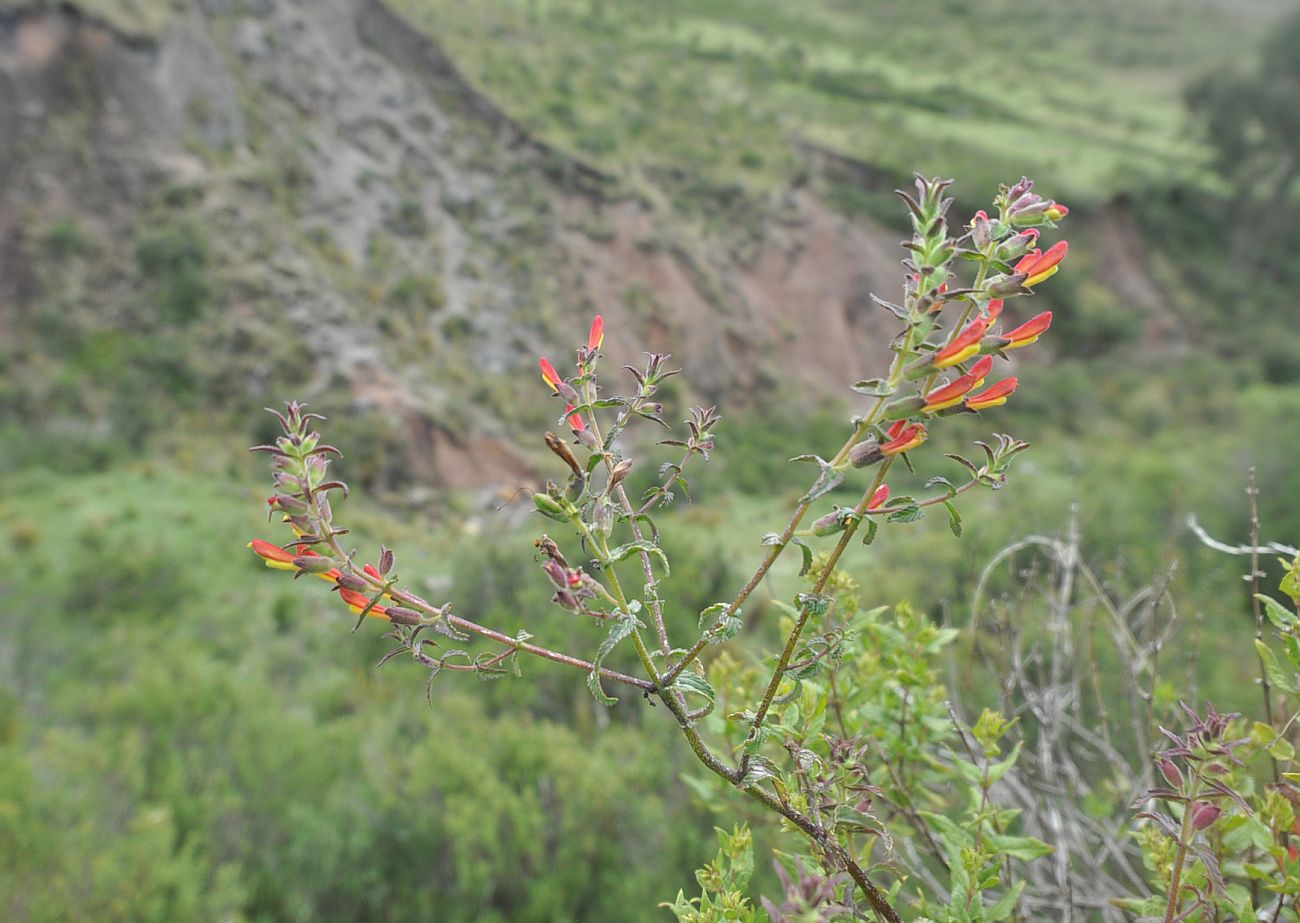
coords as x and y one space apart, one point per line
905 439
964 345
1040 266
575 419
995 396
357 602
994 309
278 558
1029 331
597 334
274 556
1057 211
951 394
878 498
549 375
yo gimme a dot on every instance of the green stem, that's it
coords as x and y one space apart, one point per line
1176 877
804 611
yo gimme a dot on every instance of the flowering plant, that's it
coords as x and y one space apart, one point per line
840 732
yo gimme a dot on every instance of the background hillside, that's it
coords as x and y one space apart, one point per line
389 210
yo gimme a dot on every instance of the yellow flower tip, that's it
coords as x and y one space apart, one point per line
957 357
1016 344
944 405
1047 274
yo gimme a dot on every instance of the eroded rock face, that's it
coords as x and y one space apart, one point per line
363 200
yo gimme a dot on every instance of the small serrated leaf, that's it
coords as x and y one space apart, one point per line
710 615
620 629
623 552
954 519
694 683
905 514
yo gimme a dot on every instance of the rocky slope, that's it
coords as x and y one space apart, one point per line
375 233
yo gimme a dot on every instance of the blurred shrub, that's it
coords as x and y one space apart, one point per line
174 261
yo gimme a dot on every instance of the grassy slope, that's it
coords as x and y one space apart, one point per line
720 89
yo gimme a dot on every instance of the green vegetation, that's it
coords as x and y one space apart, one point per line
717 94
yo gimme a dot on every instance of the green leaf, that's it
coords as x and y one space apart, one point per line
872 527
1277 613
1273 670
954 519
623 552
807 556
999 769
689 682
710 615
1005 904
1025 848
816 605
947 484
905 514
621 628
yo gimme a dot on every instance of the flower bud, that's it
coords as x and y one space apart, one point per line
1027 203
604 518
352 582
1016 246
588 439
400 615
312 564
1019 189
865 453
1204 814
550 507
833 522
619 472
1002 285
981 230
562 451
903 407
385 560
287 504
557 573
567 391
1173 775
